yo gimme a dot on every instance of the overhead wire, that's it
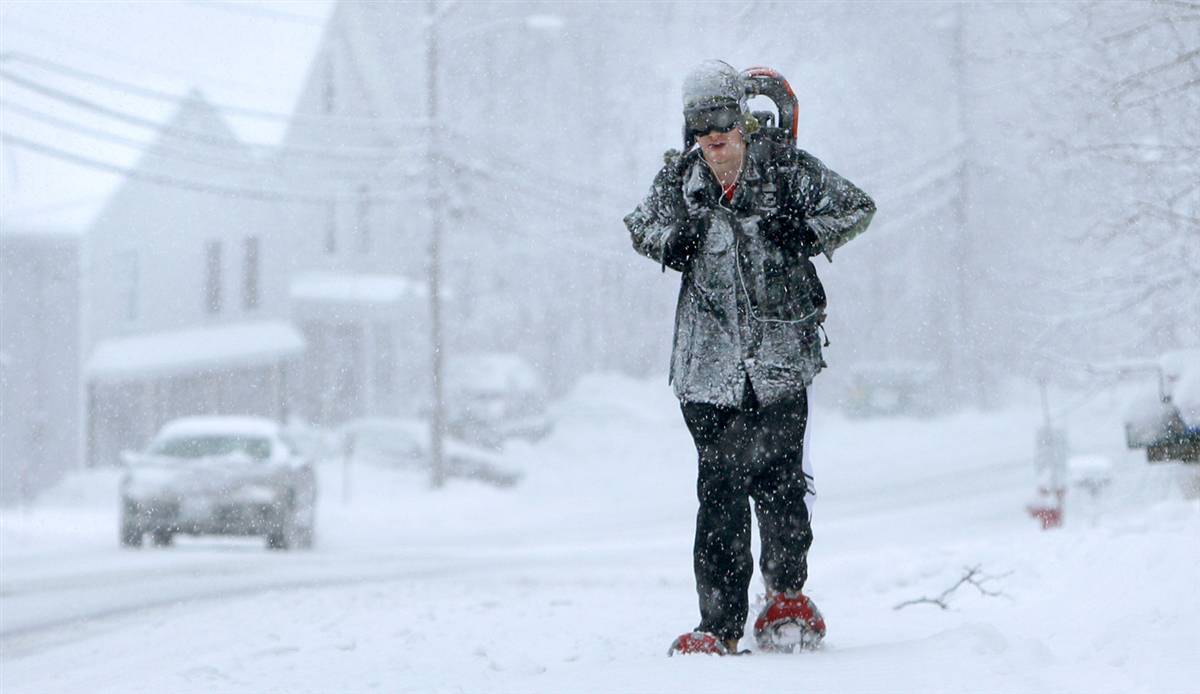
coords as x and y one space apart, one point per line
519 184
280 195
547 196
93 79
538 233
355 154
157 148
176 150
111 56
342 152
513 163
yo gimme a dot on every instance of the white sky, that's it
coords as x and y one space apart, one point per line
251 53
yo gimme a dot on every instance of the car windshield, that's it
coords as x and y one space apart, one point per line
212 446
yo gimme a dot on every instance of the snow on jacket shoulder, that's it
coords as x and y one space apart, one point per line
834 209
750 300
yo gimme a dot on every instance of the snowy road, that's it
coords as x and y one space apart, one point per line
579 578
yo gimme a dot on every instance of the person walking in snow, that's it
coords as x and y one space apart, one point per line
740 215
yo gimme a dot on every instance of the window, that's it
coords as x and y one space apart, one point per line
362 214
331 228
212 445
250 274
212 286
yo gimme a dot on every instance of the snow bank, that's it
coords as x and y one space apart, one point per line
577 579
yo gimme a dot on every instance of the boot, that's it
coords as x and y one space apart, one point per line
700 642
788 623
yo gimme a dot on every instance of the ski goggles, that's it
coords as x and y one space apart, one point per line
705 120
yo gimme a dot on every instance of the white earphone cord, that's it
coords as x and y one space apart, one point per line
737 254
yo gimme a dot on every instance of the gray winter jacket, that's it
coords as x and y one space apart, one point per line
750 302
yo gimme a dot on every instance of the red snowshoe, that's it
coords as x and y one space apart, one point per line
790 622
702 643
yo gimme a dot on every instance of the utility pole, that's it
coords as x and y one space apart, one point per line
434 200
967 360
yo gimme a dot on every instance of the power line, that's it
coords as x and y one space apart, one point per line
93 79
526 173
542 174
282 195
387 153
346 153
544 195
197 186
541 193
159 149
141 65
536 233
43 118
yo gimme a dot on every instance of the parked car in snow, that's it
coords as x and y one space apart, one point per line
890 388
402 443
218 476
494 397
1166 420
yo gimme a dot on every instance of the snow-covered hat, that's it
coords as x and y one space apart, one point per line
711 90
713 83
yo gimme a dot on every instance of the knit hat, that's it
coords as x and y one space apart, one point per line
713 83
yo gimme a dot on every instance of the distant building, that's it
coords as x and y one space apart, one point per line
39 360
215 285
358 291
366 344
185 291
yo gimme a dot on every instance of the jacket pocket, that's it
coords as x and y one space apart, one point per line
791 347
792 290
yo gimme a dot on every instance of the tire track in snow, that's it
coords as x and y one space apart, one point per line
29 630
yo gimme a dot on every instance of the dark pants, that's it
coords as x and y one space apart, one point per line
758 452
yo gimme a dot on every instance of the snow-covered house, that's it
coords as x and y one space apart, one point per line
361 134
185 297
529 207
358 294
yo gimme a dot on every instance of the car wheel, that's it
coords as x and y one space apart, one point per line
282 534
131 534
307 522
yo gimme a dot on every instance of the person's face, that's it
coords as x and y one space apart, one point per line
721 149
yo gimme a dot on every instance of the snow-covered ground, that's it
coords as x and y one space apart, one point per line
577 579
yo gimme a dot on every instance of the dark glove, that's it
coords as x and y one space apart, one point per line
690 217
687 237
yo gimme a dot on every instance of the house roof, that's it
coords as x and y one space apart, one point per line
193 350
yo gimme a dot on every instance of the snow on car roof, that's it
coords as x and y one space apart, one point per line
219 425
